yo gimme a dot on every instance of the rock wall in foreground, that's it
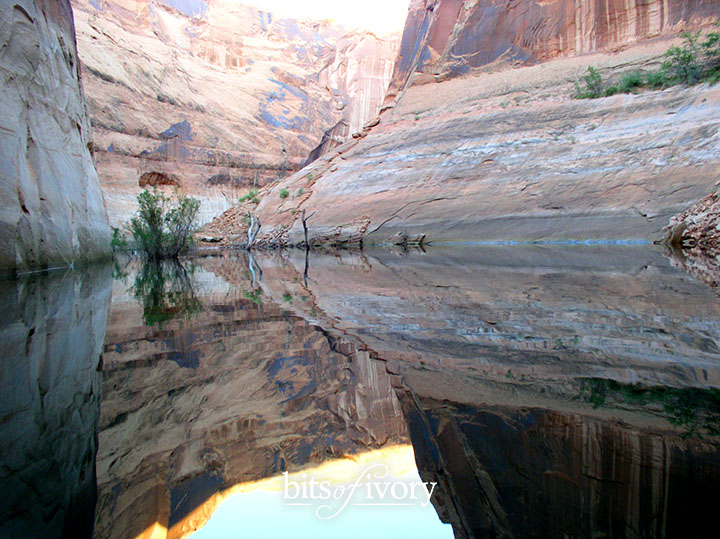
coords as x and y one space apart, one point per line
52 208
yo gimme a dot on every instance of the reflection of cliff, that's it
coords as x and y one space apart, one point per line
506 313
52 329
504 471
243 391
549 391
223 96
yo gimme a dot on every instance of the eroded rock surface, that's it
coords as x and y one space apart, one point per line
459 161
507 154
694 237
52 208
225 97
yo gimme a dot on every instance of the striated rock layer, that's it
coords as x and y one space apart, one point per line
52 208
449 38
220 96
456 162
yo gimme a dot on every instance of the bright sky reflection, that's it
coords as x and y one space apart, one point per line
259 510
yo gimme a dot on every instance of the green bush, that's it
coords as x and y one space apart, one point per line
251 195
656 80
284 193
684 63
163 226
631 82
696 60
118 241
611 90
593 85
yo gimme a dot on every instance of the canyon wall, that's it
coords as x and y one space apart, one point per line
52 208
507 154
215 97
449 38
505 157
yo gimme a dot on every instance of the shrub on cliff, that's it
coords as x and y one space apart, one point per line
684 64
162 227
696 60
593 85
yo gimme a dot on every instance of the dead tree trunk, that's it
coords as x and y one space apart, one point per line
304 223
252 231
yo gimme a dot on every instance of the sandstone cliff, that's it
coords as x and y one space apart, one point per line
216 97
52 208
509 155
449 38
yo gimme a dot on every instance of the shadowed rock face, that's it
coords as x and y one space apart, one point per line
505 472
52 208
51 334
448 38
240 391
224 96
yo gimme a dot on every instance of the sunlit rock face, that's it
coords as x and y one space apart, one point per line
449 38
243 391
52 208
509 156
50 342
223 96
504 152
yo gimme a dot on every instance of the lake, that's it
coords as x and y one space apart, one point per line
467 391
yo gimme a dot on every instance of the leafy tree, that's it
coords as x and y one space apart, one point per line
163 226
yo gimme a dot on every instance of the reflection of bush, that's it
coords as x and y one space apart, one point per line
165 291
697 410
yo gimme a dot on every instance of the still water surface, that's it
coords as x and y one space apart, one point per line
538 391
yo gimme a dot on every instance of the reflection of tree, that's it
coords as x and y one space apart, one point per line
697 410
165 290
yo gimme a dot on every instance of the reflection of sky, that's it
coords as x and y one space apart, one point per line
259 510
